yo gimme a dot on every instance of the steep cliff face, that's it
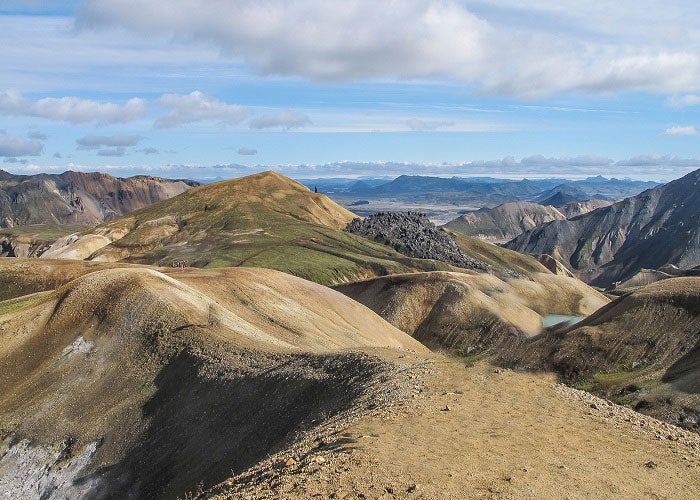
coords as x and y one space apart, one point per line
657 227
79 198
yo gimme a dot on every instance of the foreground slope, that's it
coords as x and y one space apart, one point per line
470 313
655 228
263 220
476 432
642 349
132 383
79 198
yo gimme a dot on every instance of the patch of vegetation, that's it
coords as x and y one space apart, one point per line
13 305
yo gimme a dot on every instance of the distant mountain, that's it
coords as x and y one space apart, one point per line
262 220
79 198
583 207
504 222
657 227
562 195
489 192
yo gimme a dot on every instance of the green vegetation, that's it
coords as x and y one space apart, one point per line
498 257
40 232
264 220
13 305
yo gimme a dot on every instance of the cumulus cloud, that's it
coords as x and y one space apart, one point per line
71 109
419 125
681 130
247 151
14 146
285 119
500 46
97 141
197 106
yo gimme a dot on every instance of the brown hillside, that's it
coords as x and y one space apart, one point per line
642 349
466 313
133 383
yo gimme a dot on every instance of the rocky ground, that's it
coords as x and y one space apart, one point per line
483 432
412 234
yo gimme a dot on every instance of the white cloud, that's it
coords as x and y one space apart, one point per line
98 141
13 146
71 109
285 119
683 100
681 130
506 47
247 151
197 106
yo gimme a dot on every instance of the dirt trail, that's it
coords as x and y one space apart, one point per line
492 433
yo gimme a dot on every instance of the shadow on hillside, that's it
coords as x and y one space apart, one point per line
204 428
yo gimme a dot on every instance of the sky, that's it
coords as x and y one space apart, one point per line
211 89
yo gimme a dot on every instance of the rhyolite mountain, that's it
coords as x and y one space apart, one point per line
657 227
79 198
506 221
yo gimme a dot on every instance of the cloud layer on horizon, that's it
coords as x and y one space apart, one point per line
642 167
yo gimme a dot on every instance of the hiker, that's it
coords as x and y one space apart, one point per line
315 189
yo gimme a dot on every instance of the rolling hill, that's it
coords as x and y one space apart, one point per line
79 198
472 313
263 220
134 383
655 228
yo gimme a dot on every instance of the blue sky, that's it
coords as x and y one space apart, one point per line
209 89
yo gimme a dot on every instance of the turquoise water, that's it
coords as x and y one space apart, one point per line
554 319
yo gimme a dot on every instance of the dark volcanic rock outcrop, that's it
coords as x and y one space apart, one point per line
412 234
657 227
78 197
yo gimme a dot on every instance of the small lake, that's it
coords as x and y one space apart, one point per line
554 319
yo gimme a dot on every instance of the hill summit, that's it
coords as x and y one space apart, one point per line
262 220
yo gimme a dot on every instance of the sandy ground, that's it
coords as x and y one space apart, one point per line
482 432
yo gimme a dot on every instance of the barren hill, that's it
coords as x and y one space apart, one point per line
134 383
79 198
655 228
642 349
470 313
263 220
504 222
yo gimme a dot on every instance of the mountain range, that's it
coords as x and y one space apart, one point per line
79 198
648 231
